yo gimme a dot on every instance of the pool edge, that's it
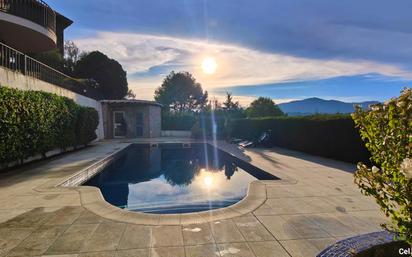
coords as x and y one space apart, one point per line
92 199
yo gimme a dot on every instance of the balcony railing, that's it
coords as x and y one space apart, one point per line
16 61
36 11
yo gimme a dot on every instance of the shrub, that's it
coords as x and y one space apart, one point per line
207 124
86 124
178 121
331 136
34 122
387 131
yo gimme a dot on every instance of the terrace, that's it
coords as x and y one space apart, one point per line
32 19
313 205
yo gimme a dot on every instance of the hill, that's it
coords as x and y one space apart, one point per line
316 105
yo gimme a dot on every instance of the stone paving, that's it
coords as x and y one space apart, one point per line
313 205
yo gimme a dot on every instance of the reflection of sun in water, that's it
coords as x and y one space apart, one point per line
209 65
208 181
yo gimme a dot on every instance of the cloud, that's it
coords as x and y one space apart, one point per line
149 58
375 30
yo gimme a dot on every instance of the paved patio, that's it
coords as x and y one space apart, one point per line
313 205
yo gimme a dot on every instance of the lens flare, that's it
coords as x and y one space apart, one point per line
208 181
209 65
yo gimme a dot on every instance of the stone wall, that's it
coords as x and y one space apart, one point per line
151 119
155 113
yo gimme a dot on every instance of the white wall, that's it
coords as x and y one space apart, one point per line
17 80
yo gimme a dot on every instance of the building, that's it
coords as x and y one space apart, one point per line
131 118
31 26
33 19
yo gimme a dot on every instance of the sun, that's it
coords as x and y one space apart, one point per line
209 65
208 181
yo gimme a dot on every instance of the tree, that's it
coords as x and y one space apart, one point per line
262 107
108 73
72 55
229 104
130 94
180 92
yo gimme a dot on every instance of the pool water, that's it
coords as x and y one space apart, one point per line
173 179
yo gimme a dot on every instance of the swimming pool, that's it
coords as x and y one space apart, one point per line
170 178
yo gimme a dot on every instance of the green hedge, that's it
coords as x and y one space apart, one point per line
34 122
329 136
205 125
178 121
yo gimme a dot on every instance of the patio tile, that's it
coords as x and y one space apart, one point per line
268 249
33 218
225 231
306 247
374 218
98 254
279 228
38 242
306 228
353 203
11 237
235 250
65 216
88 217
6 215
251 229
317 205
354 222
207 250
331 225
136 236
197 234
264 209
133 253
322 243
167 236
105 237
72 240
168 252
284 205
61 255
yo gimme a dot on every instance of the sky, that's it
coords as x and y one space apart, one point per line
284 49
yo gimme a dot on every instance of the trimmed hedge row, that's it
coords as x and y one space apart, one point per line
34 122
329 136
178 121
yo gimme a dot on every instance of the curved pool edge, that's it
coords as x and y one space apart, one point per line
93 200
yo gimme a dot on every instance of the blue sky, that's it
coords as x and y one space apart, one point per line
285 49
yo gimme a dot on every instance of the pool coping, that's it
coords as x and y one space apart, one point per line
92 199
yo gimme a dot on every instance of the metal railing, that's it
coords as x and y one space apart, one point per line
17 61
36 11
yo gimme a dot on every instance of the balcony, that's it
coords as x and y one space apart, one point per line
12 60
33 21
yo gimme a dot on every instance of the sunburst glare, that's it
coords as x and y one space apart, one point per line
209 65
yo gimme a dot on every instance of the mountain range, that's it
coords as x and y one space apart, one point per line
316 105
